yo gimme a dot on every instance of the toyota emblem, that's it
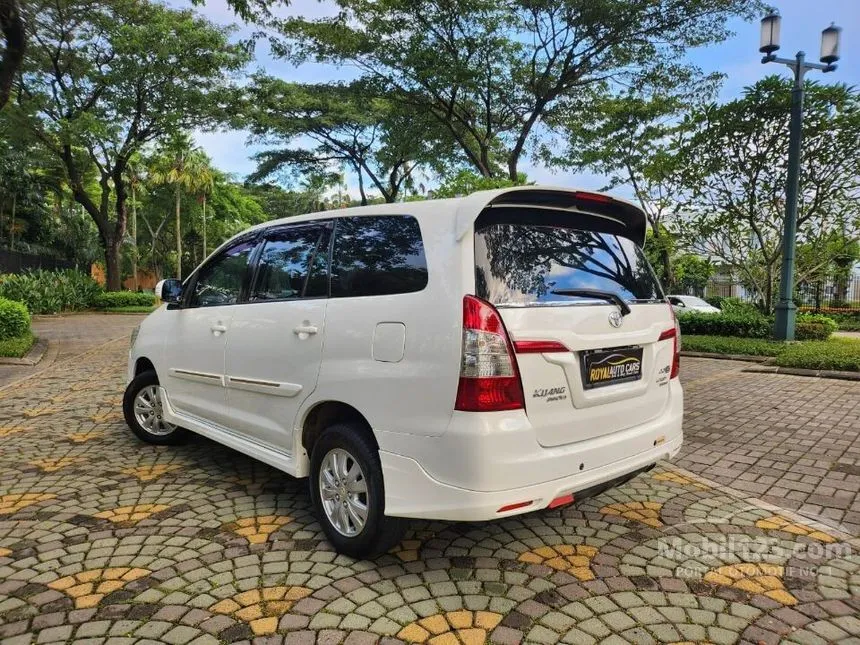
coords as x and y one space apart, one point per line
616 319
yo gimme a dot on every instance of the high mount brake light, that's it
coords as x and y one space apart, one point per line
489 375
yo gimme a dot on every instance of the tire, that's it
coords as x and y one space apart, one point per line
349 445
159 432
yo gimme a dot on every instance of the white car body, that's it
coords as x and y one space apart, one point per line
685 304
257 376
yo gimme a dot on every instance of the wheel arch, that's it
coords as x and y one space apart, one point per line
324 414
143 364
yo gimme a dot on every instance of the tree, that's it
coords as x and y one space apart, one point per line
14 44
735 164
105 78
186 169
466 182
350 126
489 72
633 139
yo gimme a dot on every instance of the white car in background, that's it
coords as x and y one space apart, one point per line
685 304
461 359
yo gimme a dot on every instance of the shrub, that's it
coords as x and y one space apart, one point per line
112 299
17 346
14 319
49 292
736 323
736 305
814 327
715 301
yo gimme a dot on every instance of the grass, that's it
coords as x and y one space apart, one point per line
16 346
834 354
131 309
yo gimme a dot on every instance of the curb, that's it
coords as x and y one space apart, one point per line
797 371
37 351
728 357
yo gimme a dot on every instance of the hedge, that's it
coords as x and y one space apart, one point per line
14 319
750 324
111 299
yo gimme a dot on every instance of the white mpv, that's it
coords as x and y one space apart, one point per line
458 359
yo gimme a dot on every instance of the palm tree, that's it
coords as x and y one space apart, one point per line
187 169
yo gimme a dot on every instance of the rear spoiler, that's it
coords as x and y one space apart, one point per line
630 217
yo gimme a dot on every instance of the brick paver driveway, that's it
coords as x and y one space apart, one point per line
103 538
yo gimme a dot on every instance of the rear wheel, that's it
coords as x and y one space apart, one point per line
349 495
141 406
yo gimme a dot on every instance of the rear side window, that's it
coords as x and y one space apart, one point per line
292 264
376 256
524 263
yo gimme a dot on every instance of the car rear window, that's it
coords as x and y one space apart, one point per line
375 256
522 263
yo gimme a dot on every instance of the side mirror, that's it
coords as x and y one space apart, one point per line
169 291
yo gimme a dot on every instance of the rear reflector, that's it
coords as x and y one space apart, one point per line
538 346
666 335
561 501
513 507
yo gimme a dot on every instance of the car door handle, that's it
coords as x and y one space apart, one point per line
308 330
218 329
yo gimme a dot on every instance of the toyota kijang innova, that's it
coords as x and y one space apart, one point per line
458 359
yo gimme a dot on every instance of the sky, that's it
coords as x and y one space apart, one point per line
738 58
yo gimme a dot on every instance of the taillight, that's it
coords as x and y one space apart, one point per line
489 377
675 335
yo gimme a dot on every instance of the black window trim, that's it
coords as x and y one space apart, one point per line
191 282
261 243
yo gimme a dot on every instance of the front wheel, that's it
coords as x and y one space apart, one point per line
142 408
348 493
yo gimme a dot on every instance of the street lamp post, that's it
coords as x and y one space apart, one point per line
770 28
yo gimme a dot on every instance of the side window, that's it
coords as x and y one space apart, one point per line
288 257
375 256
220 281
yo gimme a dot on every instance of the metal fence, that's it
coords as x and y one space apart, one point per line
17 262
836 292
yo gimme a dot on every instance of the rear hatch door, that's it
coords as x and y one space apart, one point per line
585 312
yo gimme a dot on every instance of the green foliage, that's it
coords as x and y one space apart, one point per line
735 162
112 299
741 319
17 346
490 72
733 304
466 182
107 77
732 345
14 319
814 327
715 301
49 292
835 354
354 125
736 323
692 272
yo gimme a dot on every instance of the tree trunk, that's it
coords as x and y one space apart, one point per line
134 236
12 222
113 277
178 234
14 35
204 225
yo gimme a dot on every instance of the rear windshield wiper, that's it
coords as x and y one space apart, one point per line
596 294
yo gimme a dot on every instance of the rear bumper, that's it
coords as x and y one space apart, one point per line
506 466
